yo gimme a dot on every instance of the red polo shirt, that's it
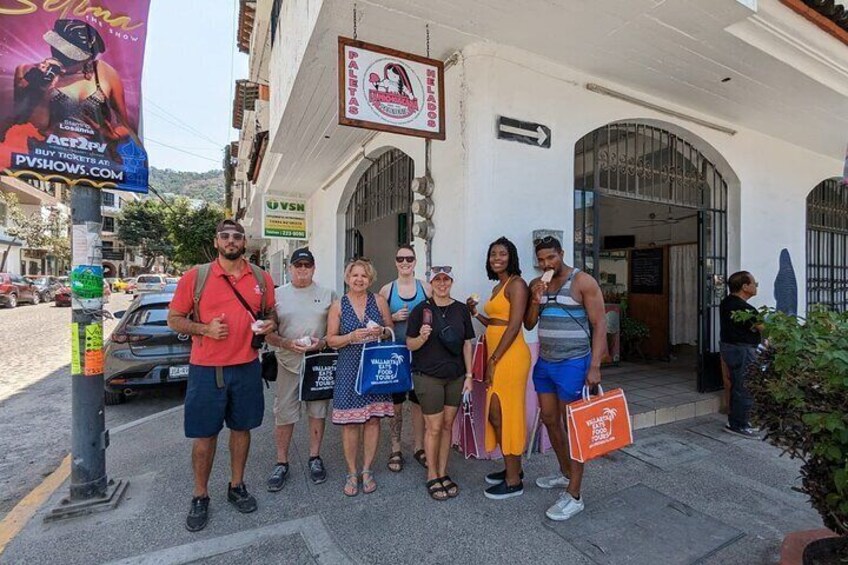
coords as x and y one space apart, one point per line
218 299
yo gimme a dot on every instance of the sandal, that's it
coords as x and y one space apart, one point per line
451 488
396 462
369 485
421 457
351 487
436 490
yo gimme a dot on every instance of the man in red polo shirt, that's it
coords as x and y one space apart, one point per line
224 381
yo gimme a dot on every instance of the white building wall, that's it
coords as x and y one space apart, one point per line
487 187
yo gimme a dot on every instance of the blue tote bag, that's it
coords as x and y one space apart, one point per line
384 368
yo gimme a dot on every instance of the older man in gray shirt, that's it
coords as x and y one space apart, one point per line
302 307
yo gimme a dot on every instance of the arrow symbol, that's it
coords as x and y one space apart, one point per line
539 134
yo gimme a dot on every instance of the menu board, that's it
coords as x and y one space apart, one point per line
646 271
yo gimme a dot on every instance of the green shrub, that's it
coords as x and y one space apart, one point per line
800 392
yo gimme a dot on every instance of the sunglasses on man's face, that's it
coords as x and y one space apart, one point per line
234 235
409 259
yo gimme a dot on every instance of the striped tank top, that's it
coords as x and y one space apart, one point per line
563 325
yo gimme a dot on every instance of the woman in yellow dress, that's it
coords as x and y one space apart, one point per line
508 367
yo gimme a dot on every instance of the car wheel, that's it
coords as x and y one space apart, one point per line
35 299
114 398
12 301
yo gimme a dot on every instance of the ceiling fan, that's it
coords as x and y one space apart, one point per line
654 220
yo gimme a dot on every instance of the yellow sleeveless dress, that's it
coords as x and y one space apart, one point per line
509 382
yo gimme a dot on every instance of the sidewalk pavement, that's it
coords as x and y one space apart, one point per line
685 491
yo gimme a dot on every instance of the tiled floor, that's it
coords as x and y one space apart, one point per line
660 392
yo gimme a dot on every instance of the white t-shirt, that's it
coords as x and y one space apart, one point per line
301 312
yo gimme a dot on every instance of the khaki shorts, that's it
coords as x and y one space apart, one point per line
435 393
287 400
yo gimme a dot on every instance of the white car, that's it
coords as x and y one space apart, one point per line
149 283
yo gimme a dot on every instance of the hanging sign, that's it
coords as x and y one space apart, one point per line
387 90
70 92
283 218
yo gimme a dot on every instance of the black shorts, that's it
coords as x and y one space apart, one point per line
400 397
241 403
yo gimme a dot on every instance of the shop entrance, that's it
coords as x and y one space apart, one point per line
650 223
378 215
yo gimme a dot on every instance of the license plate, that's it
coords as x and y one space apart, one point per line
181 371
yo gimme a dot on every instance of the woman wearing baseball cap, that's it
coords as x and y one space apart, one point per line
439 333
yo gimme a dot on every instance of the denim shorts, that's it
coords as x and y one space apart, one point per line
241 403
565 378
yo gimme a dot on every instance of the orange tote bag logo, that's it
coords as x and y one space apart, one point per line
598 425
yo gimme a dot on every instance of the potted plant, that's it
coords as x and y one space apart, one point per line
800 390
633 333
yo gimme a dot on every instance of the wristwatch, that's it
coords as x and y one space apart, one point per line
469 375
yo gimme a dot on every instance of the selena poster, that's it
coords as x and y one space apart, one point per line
70 91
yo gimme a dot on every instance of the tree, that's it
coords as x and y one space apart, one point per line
33 229
144 225
192 231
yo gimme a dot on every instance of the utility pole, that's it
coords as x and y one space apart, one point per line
90 490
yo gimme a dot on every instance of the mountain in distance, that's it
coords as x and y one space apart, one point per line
207 186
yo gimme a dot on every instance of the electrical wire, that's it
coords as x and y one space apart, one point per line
182 150
164 114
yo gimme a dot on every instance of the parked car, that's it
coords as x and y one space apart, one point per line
14 289
149 283
120 285
130 286
47 287
172 280
62 297
143 352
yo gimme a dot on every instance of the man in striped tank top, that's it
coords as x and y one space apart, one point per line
568 307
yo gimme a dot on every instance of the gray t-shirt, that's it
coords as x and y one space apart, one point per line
301 312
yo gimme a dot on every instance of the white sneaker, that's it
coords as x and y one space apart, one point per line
564 508
552 481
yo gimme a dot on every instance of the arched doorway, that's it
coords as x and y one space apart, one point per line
378 214
650 223
827 246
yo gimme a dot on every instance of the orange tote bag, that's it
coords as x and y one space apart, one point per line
598 424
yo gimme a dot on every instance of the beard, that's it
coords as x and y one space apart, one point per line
232 255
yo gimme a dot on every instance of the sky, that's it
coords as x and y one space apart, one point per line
190 67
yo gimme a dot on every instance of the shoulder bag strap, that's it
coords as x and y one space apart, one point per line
199 285
259 275
240 298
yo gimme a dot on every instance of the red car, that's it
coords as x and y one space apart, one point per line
15 289
63 295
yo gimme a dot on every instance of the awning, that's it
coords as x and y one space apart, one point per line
26 193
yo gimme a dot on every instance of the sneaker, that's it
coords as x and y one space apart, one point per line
499 477
198 515
241 499
316 470
502 491
747 433
552 481
565 507
278 477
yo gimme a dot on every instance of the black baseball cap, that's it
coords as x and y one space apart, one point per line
302 254
229 224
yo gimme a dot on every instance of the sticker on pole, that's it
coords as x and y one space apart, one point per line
87 282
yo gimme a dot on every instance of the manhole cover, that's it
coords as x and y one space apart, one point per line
665 452
641 525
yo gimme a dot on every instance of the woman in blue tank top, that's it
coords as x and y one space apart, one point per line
404 294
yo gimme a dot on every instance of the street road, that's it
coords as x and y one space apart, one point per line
35 395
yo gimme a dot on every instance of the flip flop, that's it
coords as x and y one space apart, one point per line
395 463
421 457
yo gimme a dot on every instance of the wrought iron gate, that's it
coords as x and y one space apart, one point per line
827 246
384 189
641 162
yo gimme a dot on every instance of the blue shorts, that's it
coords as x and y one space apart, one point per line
241 403
565 378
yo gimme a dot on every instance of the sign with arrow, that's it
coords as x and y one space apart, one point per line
524 132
